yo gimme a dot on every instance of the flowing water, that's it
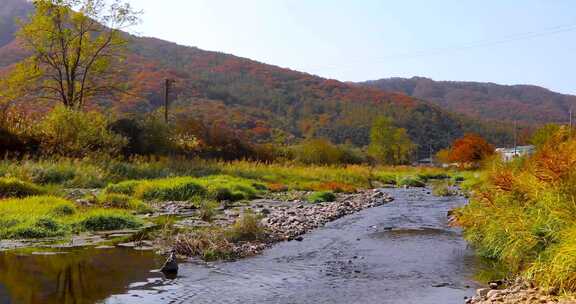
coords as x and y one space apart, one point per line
402 252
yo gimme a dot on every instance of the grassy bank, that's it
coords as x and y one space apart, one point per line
90 173
33 193
523 214
48 216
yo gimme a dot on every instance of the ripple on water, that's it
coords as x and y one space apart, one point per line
394 253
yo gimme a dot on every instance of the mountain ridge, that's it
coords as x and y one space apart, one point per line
528 104
267 103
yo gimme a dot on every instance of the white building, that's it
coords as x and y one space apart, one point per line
509 154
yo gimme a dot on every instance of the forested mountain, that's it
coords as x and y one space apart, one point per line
9 11
525 103
265 103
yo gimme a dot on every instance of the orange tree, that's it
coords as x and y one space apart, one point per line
470 150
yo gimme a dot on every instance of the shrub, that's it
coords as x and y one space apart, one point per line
52 174
246 228
317 151
207 210
125 187
12 187
459 179
321 196
63 210
121 201
409 181
42 228
109 220
229 188
74 133
170 189
208 243
387 179
425 177
443 188
522 215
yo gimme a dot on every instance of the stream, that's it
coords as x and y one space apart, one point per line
401 252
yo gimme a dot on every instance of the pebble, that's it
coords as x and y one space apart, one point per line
518 293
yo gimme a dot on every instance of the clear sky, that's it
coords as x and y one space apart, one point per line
501 41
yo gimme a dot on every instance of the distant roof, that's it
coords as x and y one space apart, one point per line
517 149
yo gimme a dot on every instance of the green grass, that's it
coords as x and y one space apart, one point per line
246 228
321 197
94 173
410 181
443 188
102 220
12 187
49 216
217 187
122 201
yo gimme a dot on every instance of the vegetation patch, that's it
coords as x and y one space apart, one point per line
122 201
169 189
229 188
335 187
12 187
209 243
321 197
102 220
246 228
443 188
522 214
49 216
217 187
410 181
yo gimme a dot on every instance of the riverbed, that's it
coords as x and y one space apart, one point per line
401 252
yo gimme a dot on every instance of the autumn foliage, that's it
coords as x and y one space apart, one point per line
470 150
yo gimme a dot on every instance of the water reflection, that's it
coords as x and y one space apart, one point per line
82 276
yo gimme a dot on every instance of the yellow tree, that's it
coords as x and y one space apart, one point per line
388 144
75 46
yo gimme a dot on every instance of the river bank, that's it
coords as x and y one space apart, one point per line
278 220
399 252
519 292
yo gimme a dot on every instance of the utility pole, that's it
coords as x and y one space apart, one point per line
430 153
515 137
167 84
570 124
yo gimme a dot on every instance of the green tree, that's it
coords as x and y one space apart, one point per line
388 144
75 48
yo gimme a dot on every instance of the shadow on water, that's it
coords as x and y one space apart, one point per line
79 276
402 252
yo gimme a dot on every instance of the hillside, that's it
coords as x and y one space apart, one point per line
265 103
525 103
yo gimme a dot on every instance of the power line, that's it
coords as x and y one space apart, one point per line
478 44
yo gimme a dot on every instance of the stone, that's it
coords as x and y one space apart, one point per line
127 245
441 285
493 293
171 265
482 292
48 253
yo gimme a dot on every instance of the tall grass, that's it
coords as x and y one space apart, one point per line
524 215
97 173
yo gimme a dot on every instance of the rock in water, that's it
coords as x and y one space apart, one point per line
171 265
